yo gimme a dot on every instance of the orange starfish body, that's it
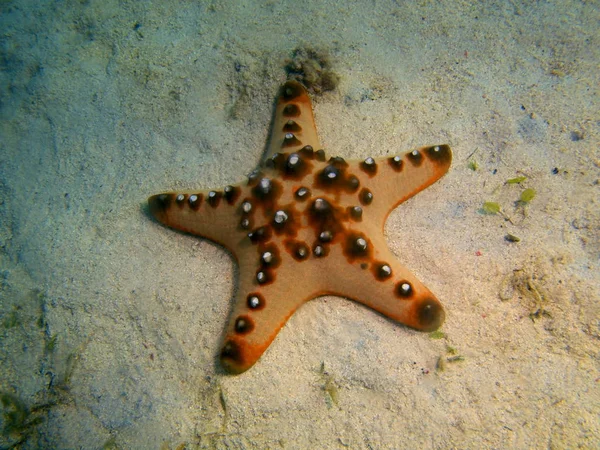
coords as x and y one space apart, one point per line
303 226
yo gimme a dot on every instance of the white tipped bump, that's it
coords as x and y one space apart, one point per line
301 192
321 204
253 302
293 160
325 236
240 324
361 243
264 185
280 217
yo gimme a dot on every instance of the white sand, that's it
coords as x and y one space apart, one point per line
111 324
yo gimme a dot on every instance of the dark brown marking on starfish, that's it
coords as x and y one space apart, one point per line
246 223
260 234
320 155
265 276
255 301
307 151
365 196
214 198
439 154
290 140
231 194
325 236
302 193
267 192
254 176
369 166
321 208
404 289
334 177
415 157
296 249
291 126
269 256
355 213
290 225
320 250
232 356
272 161
291 90
352 183
357 246
291 110
381 271
330 176
244 325
180 200
430 314
160 203
396 163
324 216
246 206
293 166
195 201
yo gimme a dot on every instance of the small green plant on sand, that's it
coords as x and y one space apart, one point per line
329 387
491 208
527 195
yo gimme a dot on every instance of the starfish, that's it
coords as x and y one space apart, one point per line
302 226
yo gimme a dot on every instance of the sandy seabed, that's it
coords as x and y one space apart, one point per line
111 325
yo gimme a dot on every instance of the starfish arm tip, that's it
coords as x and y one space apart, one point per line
238 355
157 205
233 359
427 315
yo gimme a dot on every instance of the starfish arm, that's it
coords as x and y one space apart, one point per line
293 123
215 214
390 181
389 288
262 306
